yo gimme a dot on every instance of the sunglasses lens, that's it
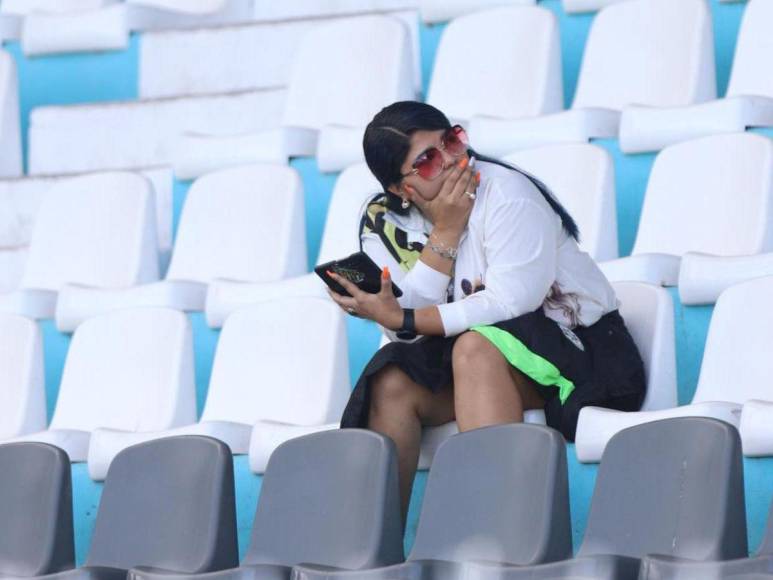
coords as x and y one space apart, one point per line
430 165
455 140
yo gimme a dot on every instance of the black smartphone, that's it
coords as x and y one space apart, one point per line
358 269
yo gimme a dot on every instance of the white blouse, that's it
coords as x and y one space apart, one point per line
513 257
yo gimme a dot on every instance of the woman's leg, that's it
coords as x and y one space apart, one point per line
488 390
399 408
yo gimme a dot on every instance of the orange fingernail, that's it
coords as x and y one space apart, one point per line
385 273
329 273
477 175
463 163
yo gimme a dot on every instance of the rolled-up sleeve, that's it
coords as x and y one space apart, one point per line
520 245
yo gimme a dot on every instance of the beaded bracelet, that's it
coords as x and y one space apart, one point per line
447 252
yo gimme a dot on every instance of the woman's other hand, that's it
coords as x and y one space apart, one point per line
382 308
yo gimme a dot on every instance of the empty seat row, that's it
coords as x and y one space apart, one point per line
323 112
630 67
328 506
496 506
699 228
704 226
129 377
168 508
241 237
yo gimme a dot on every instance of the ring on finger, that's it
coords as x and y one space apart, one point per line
470 194
351 310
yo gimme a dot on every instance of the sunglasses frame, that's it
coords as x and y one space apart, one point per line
457 130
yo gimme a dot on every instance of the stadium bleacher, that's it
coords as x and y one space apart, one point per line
170 172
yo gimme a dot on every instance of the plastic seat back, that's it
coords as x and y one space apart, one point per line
648 52
129 369
710 195
582 177
353 187
282 360
168 504
648 312
753 52
332 499
527 80
97 230
10 135
500 494
246 223
36 527
346 71
736 363
672 487
22 386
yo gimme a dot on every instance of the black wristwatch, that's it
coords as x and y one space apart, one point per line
408 330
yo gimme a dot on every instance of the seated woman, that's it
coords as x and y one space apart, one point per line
512 314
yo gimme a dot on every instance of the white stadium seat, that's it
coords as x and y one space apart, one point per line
25 7
747 103
245 223
205 61
527 80
100 28
97 230
735 373
648 52
22 385
339 239
573 6
710 195
20 200
259 373
129 370
582 177
343 74
166 14
12 261
10 135
703 277
433 11
138 134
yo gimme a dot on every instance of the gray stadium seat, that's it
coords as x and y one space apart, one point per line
758 567
167 505
36 531
672 487
330 498
494 494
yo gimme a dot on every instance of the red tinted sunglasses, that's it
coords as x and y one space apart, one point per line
430 164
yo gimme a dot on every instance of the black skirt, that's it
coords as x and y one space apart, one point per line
597 365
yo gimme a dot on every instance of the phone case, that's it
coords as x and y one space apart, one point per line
358 269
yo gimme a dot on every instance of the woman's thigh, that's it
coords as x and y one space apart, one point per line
392 384
475 356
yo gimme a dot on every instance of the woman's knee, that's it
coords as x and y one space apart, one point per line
472 349
392 387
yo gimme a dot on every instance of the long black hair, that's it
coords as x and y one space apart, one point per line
386 143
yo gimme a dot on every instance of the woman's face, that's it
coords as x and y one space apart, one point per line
414 186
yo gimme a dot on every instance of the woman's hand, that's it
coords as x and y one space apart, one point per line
382 308
450 210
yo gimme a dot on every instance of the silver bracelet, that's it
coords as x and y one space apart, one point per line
442 250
